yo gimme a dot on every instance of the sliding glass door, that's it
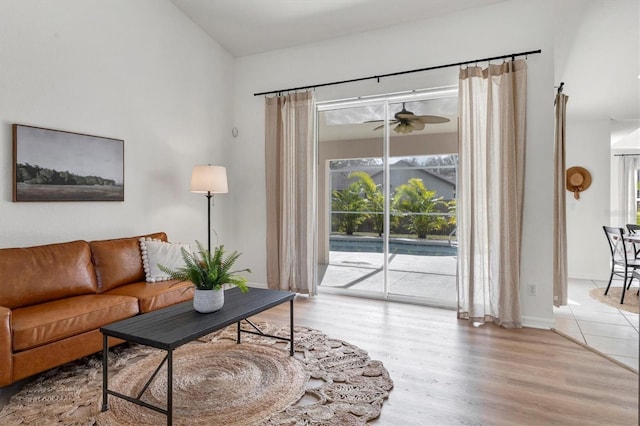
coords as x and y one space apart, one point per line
350 185
387 185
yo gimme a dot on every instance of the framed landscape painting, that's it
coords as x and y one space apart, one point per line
54 165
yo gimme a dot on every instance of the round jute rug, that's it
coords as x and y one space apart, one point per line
613 298
216 382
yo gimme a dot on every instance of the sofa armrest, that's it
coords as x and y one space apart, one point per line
6 347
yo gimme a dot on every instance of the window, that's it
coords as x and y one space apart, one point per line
638 196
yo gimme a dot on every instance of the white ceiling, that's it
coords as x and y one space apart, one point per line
246 27
597 41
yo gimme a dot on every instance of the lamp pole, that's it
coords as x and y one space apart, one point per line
209 197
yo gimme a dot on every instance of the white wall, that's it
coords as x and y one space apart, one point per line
602 106
502 28
141 71
588 146
134 70
624 143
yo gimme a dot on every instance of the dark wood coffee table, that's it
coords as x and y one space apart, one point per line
176 325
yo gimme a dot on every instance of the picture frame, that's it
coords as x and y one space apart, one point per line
57 165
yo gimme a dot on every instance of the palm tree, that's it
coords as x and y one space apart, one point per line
374 197
349 203
414 197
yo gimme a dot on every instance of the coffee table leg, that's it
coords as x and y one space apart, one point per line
170 387
291 326
105 386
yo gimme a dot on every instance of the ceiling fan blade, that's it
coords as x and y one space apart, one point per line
373 121
391 123
417 125
430 119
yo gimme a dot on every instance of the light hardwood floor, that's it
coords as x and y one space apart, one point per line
448 372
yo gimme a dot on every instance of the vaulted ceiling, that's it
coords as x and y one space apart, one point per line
245 27
596 53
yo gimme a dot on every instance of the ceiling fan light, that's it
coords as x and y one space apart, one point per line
403 128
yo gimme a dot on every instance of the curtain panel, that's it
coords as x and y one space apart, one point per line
492 111
290 190
560 275
627 187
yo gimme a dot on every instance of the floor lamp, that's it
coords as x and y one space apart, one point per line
209 180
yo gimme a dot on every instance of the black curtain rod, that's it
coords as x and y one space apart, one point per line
559 91
378 77
626 155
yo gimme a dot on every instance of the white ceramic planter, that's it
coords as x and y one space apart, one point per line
207 301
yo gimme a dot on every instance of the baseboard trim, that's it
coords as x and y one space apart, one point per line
538 322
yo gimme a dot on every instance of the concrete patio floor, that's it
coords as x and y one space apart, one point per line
422 279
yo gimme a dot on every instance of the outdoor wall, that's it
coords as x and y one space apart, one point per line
134 70
483 32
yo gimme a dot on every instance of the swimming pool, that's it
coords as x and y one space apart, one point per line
396 245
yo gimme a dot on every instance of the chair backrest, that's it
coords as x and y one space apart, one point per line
616 244
633 228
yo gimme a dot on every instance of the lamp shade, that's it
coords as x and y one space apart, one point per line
208 178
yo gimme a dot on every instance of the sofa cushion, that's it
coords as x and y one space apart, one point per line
47 322
33 275
158 295
119 261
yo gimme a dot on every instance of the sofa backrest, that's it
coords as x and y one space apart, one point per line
119 261
38 274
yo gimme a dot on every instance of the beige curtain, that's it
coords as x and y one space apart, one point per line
289 165
492 113
627 187
560 276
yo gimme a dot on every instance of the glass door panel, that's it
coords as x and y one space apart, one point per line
386 199
350 168
423 174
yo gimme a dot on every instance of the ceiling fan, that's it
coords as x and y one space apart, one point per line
407 121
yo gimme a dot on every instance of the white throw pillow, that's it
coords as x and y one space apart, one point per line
156 252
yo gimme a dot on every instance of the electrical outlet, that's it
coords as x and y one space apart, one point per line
531 289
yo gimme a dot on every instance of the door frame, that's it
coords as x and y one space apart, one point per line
323 223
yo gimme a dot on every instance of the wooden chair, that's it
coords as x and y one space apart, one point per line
623 260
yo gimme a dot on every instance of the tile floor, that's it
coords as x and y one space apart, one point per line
612 331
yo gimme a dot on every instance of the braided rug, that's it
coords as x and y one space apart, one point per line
216 382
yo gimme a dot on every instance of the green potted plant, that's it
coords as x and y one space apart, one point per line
208 273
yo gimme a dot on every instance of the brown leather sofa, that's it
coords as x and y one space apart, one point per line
54 298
